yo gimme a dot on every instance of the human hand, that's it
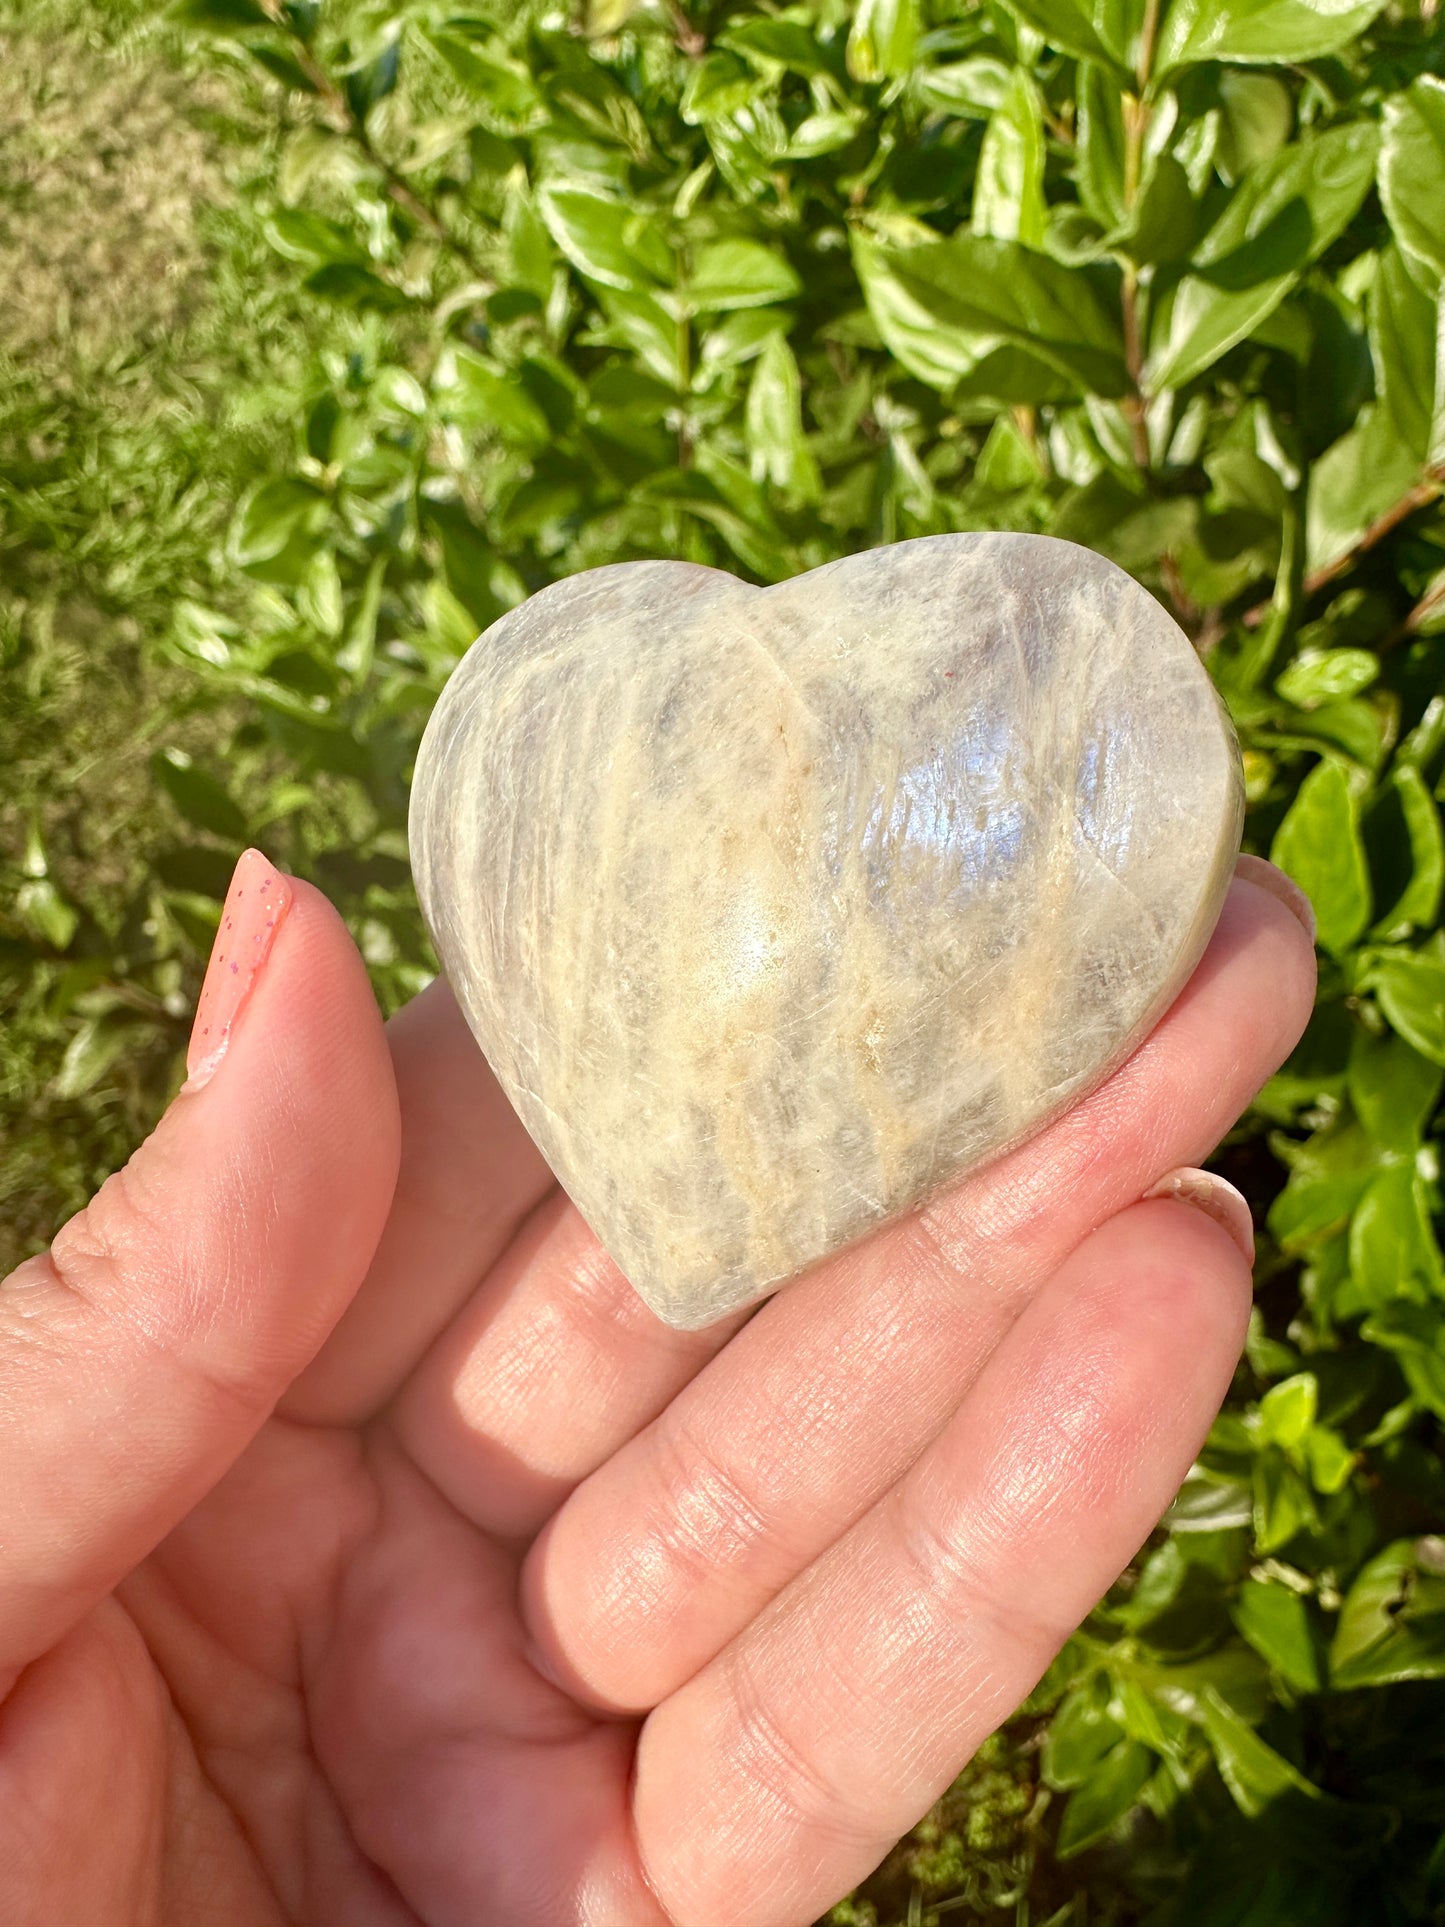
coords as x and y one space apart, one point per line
475 1596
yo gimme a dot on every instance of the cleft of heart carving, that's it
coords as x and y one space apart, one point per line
773 910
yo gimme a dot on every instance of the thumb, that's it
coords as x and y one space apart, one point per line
140 1355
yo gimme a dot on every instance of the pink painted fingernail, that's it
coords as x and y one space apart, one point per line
254 910
1216 1197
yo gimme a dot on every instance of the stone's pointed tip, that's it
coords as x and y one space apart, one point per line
775 910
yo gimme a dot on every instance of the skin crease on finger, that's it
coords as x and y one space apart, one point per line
693 1525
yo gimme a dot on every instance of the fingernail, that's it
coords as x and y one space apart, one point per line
254 910
1216 1197
1267 876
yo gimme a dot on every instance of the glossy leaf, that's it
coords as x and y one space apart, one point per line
944 308
1374 1644
600 236
1088 29
1008 194
882 38
272 514
1391 1243
1109 1793
740 274
775 423
1393 1088
1407 854
1318 844
1276 1622
1282 216
1410 986
1270 31
1412 164
1254 1773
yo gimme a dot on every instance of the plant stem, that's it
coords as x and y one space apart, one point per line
350 123
1418 497
690 39
1136 123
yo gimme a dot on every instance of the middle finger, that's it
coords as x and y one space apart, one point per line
823 1401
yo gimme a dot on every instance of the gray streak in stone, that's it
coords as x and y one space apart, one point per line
774 910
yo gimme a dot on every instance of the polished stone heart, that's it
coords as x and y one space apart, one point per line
774 909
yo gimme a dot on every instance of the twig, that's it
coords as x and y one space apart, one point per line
1424 492
1412 624
350 123
1135 405
691 40
1136 123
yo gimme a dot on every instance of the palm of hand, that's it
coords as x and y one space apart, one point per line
786 1577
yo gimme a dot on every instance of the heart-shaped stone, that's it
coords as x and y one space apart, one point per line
774 909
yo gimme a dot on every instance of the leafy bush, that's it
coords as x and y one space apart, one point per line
755 285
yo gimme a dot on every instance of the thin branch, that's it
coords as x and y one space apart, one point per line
347 121
1148 35
1135 405
691 40
1418 497
1432 600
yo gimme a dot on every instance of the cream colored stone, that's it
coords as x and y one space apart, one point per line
774 910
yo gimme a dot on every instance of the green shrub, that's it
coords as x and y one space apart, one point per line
754 285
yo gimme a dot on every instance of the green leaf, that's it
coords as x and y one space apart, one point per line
740 274
1407 854
974 88
40 905
1287 1410
1104 1799
1258 120
1082 1733
1254 1773
96 1045
1412 170
1375 1644
353 286
1284 1505
1329 1460
602 237
201 800
945 307
1411 988
1276 1622
312 238
1100 146
1269 31
219 16
503 87
1008 194
1281 217
1088 29
1393 1088
1164 221
882 39
476 394
282 67
776 441
1318 844
787 43
1319 676
373 79
1391 1243
1404 327
1358 478
271 514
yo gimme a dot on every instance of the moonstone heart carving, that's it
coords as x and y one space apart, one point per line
775 909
